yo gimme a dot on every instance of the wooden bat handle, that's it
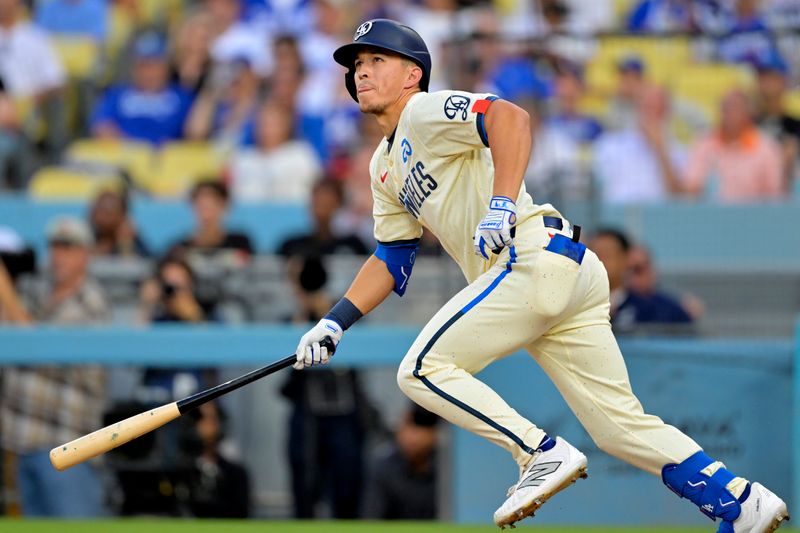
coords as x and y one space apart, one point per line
110 437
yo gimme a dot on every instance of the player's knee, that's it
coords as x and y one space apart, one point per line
405 377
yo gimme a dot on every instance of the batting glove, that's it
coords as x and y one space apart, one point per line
494 230
309 352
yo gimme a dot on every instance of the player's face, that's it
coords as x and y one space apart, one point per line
380 80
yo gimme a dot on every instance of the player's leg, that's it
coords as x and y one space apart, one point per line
477 326
582 358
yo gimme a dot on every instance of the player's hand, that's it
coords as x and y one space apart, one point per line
494 231
309 352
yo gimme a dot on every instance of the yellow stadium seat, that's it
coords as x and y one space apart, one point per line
793 103
78 54
121 26
160 12
652 50
181 164
705 85
63 183
137 158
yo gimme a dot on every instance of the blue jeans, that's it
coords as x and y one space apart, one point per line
46 492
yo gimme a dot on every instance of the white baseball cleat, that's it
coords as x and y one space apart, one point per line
547 473
762 512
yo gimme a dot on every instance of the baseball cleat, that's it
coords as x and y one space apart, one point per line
547 473
762 512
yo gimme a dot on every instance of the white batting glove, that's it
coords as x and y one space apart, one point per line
309 352
494 231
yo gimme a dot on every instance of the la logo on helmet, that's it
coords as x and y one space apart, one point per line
363 30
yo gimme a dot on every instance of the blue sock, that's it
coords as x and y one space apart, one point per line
745 494
548 444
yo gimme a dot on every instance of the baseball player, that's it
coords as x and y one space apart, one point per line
453 162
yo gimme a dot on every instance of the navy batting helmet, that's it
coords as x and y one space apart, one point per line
387 35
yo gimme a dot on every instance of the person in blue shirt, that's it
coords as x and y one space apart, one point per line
148 108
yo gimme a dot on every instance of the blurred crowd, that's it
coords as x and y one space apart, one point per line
227 102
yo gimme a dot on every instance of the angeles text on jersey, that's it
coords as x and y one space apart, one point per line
416 188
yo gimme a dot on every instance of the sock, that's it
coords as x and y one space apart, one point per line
738 486
546 444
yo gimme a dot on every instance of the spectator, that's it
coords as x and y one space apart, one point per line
403 478
650 304
668 16
191 59
772 116
16 159
630 309
114 232
234 40
29 66
286 81
279 167
745 33
328 116
11 309
44 406
566 117
326 199
641 162
168 298
554 171
210 238
326 425
82 18
148 109
214 486
737 163
622 111
225 110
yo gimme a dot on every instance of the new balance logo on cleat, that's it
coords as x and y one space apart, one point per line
538 473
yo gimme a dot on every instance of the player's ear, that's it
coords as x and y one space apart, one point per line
413 76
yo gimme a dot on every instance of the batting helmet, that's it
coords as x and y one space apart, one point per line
387 35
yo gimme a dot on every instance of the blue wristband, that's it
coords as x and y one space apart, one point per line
344 313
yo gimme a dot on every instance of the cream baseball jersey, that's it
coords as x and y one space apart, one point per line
437 172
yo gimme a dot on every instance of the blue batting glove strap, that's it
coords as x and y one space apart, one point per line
503 203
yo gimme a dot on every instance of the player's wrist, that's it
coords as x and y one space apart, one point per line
344 313
503 203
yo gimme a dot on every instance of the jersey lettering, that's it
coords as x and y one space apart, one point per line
416 188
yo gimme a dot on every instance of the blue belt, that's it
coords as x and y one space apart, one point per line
558 224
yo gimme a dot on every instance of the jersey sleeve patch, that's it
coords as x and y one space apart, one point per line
481 107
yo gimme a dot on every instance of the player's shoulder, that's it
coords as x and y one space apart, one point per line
445 104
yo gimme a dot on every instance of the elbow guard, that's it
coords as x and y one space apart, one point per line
399 258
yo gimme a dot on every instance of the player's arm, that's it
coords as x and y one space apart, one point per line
508 135
508 131
386 271
372 285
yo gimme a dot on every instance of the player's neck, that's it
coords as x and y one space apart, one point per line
387 121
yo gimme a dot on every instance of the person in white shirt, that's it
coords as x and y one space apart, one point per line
29 66
279 167
641 162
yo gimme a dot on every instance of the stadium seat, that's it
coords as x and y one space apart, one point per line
793 103
79 55
180 165
136 158
54 183
706 84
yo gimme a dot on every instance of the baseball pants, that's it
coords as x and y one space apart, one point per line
543 302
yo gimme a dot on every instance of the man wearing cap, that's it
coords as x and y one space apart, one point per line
452 162
771 114
41 406
148 109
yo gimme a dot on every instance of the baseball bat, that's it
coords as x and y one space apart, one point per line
117 434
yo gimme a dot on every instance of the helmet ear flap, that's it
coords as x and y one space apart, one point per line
350 83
